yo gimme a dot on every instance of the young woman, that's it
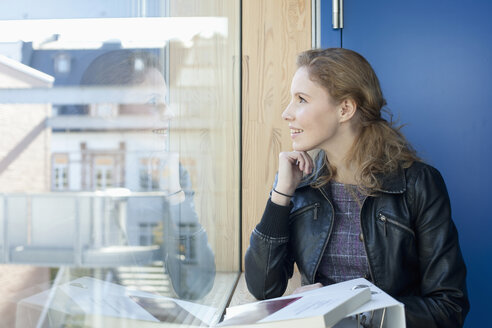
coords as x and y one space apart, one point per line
188 258
365 207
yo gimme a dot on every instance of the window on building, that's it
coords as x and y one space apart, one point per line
149 173
62 63
103 110
60 164
104 171
147 233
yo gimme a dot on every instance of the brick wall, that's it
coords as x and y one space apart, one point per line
24 167
24 148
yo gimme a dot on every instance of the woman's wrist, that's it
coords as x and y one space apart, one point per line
285 188
176 197
280 198
281 193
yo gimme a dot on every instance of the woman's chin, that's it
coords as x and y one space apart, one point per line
302 147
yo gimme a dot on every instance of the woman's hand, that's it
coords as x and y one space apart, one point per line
291 166
306 288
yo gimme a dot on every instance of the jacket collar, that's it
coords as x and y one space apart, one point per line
393 183
317 171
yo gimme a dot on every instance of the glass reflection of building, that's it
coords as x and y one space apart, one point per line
93 145
82 167
97 147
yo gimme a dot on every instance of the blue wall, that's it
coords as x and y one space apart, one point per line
434 61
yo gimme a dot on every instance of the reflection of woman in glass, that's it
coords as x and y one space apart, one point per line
188 257
366 206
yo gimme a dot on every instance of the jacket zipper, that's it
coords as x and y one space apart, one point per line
385 219
327 238
307 208
364 240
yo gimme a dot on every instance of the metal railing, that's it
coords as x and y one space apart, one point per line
80 228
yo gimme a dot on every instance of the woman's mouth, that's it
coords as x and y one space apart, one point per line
163 131
295 132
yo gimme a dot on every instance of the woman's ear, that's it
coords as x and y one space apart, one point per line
347 109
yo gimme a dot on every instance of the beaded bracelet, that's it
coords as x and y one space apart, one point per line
278 192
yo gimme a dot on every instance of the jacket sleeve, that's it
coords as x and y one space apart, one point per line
443 300
189 259
268 262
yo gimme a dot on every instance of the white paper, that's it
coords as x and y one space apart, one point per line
41 299
379 299
103 298
312 305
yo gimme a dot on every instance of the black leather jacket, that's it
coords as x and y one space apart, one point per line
409 237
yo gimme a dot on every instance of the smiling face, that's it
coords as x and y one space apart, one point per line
138 70
313 116
153 102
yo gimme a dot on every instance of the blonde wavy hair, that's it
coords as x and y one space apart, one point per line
380 148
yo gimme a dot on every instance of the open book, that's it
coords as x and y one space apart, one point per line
321 307
115 305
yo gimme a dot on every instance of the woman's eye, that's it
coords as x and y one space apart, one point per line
302 100
152 101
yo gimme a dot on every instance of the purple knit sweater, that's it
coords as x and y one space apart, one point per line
344 257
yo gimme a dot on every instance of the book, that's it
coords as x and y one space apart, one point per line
322 307
111 304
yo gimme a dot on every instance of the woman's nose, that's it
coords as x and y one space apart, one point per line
165 111
286 114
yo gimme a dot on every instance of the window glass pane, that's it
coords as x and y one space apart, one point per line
118 160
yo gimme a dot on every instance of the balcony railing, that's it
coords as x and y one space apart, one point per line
81 229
